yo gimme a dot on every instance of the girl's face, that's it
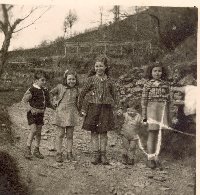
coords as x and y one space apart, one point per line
100 68
41 82
71 80
157 73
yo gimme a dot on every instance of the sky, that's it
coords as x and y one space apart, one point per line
50 25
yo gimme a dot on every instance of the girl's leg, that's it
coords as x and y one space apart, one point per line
103 145
69 134
151 147
38 139
152 141
95 141
131 152
95 148
126 145
60 136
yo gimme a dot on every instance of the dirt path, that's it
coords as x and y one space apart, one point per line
81 177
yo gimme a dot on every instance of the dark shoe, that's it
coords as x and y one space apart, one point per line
96 158
104 159
37 153
59 158
130 161
70 156
151 164
159 165
124 159
27 153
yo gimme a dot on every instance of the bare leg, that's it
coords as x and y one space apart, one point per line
131 152
103 141
95 148
103 146
126 145
31 135
60 136
38 135
69 133
95 141
152 141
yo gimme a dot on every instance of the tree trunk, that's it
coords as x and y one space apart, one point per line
4 52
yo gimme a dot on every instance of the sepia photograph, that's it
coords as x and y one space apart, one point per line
98 98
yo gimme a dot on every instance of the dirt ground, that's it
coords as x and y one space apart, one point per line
81 177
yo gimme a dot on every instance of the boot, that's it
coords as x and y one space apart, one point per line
104 159
131 161
70 156
27 153
59 158
96 158
151 164
37 153
124 159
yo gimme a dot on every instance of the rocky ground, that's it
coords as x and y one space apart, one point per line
81 177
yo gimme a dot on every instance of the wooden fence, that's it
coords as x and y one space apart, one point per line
109 47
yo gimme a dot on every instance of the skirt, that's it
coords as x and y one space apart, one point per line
99 118
157 112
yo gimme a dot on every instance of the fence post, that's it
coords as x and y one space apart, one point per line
121 51
77 49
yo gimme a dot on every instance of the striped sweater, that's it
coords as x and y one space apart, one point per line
154 90
99 91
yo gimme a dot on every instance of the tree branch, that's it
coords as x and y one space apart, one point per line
32 22
10 7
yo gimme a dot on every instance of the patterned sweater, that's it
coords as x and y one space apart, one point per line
155 91
101 91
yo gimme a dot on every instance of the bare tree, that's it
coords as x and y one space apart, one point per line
7 27
116 12
69 21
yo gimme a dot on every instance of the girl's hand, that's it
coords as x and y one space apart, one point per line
119 112
145 121
82 113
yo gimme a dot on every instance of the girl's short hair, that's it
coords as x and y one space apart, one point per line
70 72
148 73
40 74
104 60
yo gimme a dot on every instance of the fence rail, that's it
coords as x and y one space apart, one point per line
108 46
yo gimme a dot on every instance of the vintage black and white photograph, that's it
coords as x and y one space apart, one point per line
98 99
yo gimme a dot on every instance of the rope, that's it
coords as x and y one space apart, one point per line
151 121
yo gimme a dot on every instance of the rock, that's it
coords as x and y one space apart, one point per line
191 185
139 184
44 137
42 174
159 178
129 193
164 188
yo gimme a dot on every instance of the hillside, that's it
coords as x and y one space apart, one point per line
166 27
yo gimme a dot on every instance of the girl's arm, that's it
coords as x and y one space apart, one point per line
114 94
144 101
54 91
86 88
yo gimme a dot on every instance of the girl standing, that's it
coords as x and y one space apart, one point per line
155 106
66 112
99 117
